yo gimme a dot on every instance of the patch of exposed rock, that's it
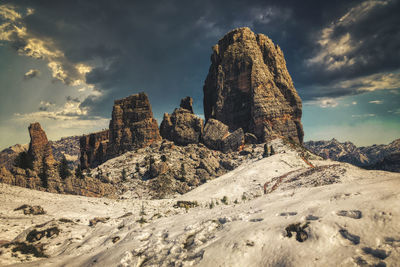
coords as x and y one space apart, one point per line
248 86
182 126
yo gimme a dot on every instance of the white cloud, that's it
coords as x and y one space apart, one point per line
335 50
323 102
14 30
378 102
31 73
379 81
363 115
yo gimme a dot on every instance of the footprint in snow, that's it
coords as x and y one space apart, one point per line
293 213
312 218
354 214
376 253
355 239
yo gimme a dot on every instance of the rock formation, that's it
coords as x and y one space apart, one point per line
187 103
39 147
182 126
93 149
248 86
42 171
217 136
132 125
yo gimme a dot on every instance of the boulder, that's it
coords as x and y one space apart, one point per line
214 132
250 138
233 142
217 136
248 86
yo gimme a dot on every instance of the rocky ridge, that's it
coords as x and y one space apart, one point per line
368 156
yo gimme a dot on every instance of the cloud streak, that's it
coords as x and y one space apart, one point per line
32 73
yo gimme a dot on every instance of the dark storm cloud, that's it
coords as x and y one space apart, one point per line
163 47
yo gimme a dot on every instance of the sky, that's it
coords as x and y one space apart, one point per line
64 62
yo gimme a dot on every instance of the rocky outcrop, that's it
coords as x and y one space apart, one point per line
39 147
187 103
40 171
132 125
182 126
93 149
248 86
217 136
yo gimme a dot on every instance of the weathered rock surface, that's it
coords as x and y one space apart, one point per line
214 132
233 142
182 126
217 136
248 86
132 125
93 149
39 147
187 103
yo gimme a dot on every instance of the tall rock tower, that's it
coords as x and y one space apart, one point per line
248 86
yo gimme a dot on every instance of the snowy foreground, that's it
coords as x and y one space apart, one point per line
345 216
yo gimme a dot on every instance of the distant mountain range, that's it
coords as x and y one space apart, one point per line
380 157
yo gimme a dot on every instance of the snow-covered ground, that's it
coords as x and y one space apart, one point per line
345 216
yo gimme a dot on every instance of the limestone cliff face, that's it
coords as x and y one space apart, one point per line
94 149
248 86
39 147
132 125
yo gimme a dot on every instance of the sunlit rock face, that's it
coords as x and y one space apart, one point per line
248 86
39 147
93 149
132 124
